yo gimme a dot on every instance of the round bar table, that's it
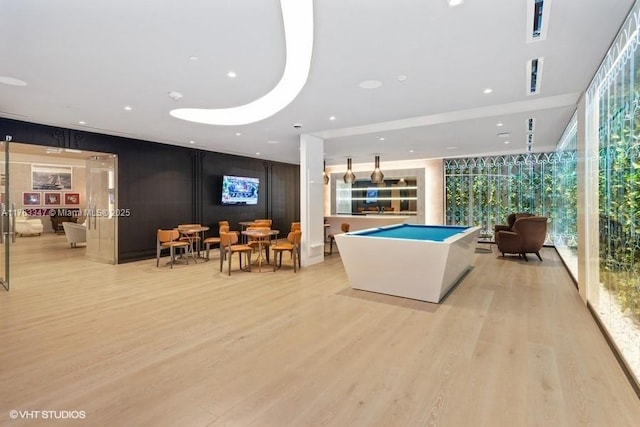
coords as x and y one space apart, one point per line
260 236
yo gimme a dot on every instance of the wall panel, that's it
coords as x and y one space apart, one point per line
165 185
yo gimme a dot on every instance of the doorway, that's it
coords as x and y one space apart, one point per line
77 183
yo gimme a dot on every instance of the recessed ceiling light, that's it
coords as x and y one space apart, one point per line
454 3
193 58
175 95
238 134
297 20
370 84
332 118
381 138
232 74
11 81
506 142
402 78
488 90
192 142
452 148
258 153
499 124
411 151
82 122
128 108
273 142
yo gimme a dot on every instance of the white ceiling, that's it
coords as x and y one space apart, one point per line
87 60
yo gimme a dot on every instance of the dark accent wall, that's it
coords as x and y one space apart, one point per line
165 185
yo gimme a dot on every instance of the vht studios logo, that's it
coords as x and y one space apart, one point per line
15 414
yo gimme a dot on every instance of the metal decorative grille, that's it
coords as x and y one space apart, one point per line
483 191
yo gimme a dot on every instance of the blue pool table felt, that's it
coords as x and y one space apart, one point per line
437 233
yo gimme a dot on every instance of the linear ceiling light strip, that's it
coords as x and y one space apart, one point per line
297 17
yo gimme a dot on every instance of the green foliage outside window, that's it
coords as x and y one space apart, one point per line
619 185
483 191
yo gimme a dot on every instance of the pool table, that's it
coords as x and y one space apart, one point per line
413 261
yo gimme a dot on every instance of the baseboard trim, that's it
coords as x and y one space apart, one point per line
566 267
614 349
610 342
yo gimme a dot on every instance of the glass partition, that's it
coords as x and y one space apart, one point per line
483 191
6 223
613 123
564 232
102 212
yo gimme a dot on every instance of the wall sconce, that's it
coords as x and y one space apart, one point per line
377 177
325 177
349 177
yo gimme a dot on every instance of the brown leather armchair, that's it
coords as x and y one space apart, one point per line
526 236
511 219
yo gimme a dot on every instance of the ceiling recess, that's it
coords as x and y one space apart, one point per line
534 73
531 125
537 19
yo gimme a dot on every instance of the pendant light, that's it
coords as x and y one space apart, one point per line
325 177
349 177
377 177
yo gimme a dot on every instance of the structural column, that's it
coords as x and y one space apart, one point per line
311 199
588 205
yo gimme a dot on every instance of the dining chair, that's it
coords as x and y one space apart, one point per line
224 228
225 225
208 242
169 239
263 221
295 226
291 245
345 226
229 246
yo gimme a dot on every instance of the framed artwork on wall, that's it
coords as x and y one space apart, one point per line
52 198
51 177
31 198
71 198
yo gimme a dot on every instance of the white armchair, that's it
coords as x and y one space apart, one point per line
76 233
25 227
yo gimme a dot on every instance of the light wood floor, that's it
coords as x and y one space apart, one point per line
137 345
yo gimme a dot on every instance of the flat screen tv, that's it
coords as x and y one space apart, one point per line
239 190
372 195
